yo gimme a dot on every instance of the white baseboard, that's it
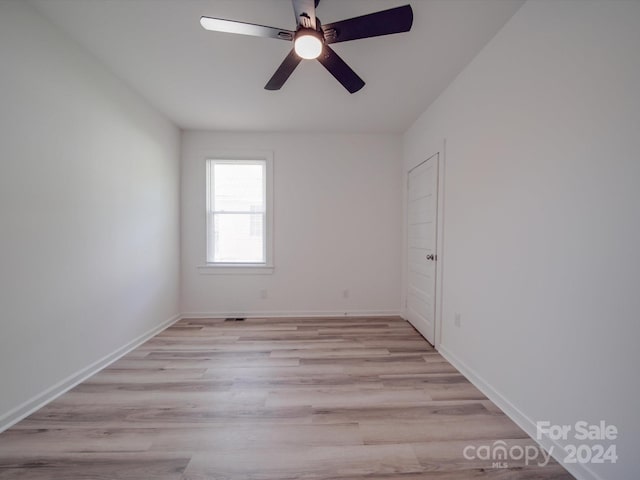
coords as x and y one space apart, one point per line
40 400
578 470
291 314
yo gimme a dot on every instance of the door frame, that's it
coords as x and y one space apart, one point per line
440 156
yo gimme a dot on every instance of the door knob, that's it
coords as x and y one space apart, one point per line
431 257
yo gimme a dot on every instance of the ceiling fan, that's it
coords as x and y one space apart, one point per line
311 39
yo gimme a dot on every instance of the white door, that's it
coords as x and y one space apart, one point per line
422 210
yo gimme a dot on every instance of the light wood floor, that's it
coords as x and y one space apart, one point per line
353 398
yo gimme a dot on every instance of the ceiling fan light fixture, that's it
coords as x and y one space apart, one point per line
308 44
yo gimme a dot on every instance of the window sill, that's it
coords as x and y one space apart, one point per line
248 269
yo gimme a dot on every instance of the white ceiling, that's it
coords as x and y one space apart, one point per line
209 80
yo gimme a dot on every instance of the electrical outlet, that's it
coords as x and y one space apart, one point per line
264 294
456 320
345 293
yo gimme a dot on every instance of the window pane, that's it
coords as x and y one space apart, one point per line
238 238
238 187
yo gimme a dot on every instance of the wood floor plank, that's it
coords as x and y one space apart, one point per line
392 415
270 399
440 427
118 416
269 436
66 440
95 466
361 398
308 463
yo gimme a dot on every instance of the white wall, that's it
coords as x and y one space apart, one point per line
337 226
89 216
542 219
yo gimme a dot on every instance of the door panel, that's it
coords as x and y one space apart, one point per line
422 205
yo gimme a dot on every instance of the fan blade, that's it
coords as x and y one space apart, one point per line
340 70
242 28
386 22
305 11
283 72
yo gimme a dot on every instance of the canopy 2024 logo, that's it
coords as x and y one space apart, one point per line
592 445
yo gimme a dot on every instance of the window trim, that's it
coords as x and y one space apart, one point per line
211 268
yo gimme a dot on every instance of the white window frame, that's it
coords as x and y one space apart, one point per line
242 268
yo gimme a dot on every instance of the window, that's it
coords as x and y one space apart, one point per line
238 212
